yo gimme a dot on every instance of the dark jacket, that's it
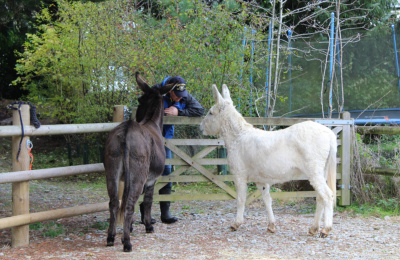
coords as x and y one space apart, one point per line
187 106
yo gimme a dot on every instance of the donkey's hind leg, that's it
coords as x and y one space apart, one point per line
325 201
318 215
146 205
112 188
264 188
136 188
328 213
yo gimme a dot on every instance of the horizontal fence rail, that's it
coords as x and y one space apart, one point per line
388 130
21 176
9 131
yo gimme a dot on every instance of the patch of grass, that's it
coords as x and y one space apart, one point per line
208 187
53 230
51 159
101 225
197 188
36 226
50 229
186 207
94 182
382 208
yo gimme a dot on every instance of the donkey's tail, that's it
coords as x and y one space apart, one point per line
331 168
127 180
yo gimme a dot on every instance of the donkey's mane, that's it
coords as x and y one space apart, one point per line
235 124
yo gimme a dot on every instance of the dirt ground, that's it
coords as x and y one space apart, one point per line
202 231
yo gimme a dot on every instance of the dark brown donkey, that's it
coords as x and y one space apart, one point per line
135 154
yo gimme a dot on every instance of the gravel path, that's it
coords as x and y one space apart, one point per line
203 233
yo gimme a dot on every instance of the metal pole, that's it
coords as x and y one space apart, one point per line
241 70
251 71
397 60
339 71
267 72
290 69
331 55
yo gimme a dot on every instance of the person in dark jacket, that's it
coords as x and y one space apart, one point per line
178 102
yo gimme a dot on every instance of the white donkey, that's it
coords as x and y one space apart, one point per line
305 149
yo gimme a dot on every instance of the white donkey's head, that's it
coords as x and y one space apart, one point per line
211 124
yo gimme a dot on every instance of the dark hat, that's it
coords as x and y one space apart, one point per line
180 87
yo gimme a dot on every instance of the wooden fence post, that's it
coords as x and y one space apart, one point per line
118 116
345 166
20 190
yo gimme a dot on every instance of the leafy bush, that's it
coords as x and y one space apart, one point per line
80 65
378 152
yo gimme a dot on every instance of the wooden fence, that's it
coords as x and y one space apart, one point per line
21 175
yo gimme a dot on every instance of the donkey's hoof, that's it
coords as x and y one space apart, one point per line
323 235
312 231
324 232
234 227
271 228
150 229
110 240
127 247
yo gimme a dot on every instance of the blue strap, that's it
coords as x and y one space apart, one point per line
165 80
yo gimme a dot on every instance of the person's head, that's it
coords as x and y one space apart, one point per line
179 90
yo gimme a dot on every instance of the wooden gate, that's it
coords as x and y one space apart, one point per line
21 176
342 128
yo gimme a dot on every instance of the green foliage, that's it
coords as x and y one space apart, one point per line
16 18
49 229
382 208
101 225
78 67
53 229
384 149
36 226
381 192
78 62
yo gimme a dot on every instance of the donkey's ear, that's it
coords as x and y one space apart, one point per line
167 88
217 97
141 83
225 93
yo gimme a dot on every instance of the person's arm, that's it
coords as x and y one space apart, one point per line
192 108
